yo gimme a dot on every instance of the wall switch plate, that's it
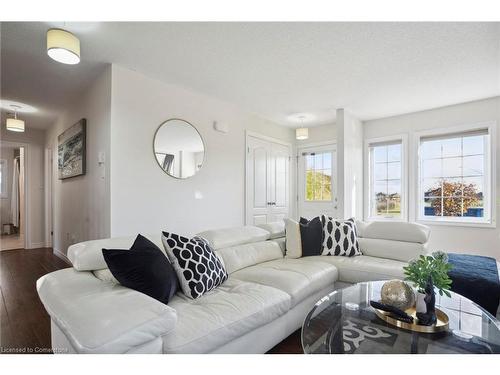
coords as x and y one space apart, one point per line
101 157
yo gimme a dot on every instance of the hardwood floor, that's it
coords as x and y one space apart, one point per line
11 241
291 345
25 325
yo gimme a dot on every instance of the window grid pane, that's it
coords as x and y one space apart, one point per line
386 180
460 177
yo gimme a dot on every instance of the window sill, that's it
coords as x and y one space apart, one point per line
386 219
458 223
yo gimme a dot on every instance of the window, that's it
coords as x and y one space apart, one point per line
318 176
386 193
454 177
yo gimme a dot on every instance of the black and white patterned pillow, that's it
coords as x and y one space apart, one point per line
339 237
198 268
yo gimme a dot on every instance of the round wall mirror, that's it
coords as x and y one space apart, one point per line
178 148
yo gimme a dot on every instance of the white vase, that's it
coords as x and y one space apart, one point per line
420 305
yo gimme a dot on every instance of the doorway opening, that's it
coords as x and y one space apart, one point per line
13 196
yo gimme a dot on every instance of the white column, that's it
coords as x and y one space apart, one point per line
349 165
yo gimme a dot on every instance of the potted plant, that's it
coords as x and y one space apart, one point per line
433 267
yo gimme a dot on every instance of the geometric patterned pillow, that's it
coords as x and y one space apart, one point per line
198 268
339 237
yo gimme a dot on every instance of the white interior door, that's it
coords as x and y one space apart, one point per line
279 182
267 181
317 181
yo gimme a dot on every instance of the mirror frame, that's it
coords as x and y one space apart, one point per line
202 141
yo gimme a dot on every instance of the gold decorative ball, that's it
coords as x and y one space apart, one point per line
397 293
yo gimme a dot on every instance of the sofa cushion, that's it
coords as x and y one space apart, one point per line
87 256
396 231
296 277
363 268
227 237
241 256
397 250
222 315
276 229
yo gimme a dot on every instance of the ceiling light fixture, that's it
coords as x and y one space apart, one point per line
63 46
15 124
301 133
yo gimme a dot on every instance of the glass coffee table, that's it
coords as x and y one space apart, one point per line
344 322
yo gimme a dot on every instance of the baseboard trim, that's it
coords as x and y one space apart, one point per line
62 256
37 245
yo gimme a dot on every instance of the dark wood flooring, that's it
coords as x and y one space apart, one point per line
25 325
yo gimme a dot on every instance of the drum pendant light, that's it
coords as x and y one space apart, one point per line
63 46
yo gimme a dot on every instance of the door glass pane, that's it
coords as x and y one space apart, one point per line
318 182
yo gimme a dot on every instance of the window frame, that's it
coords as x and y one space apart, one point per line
489 189
368 176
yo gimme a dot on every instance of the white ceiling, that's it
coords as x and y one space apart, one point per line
271 69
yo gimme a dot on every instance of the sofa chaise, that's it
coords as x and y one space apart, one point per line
265 299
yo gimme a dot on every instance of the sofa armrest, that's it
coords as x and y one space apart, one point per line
100 317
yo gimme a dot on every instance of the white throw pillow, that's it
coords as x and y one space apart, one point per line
293 239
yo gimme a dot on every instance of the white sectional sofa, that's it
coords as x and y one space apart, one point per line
265 298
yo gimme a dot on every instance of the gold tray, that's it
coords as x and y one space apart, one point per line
440 326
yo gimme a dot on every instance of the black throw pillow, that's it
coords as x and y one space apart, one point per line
144 268
311 234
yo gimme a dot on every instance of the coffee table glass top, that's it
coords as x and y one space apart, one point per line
344 322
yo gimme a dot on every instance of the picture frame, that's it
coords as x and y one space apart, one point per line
72 151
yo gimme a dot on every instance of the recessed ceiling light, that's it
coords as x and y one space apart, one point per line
63 46
21 107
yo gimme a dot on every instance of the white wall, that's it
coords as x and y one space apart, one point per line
81 204
35 224
484 241
144 198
